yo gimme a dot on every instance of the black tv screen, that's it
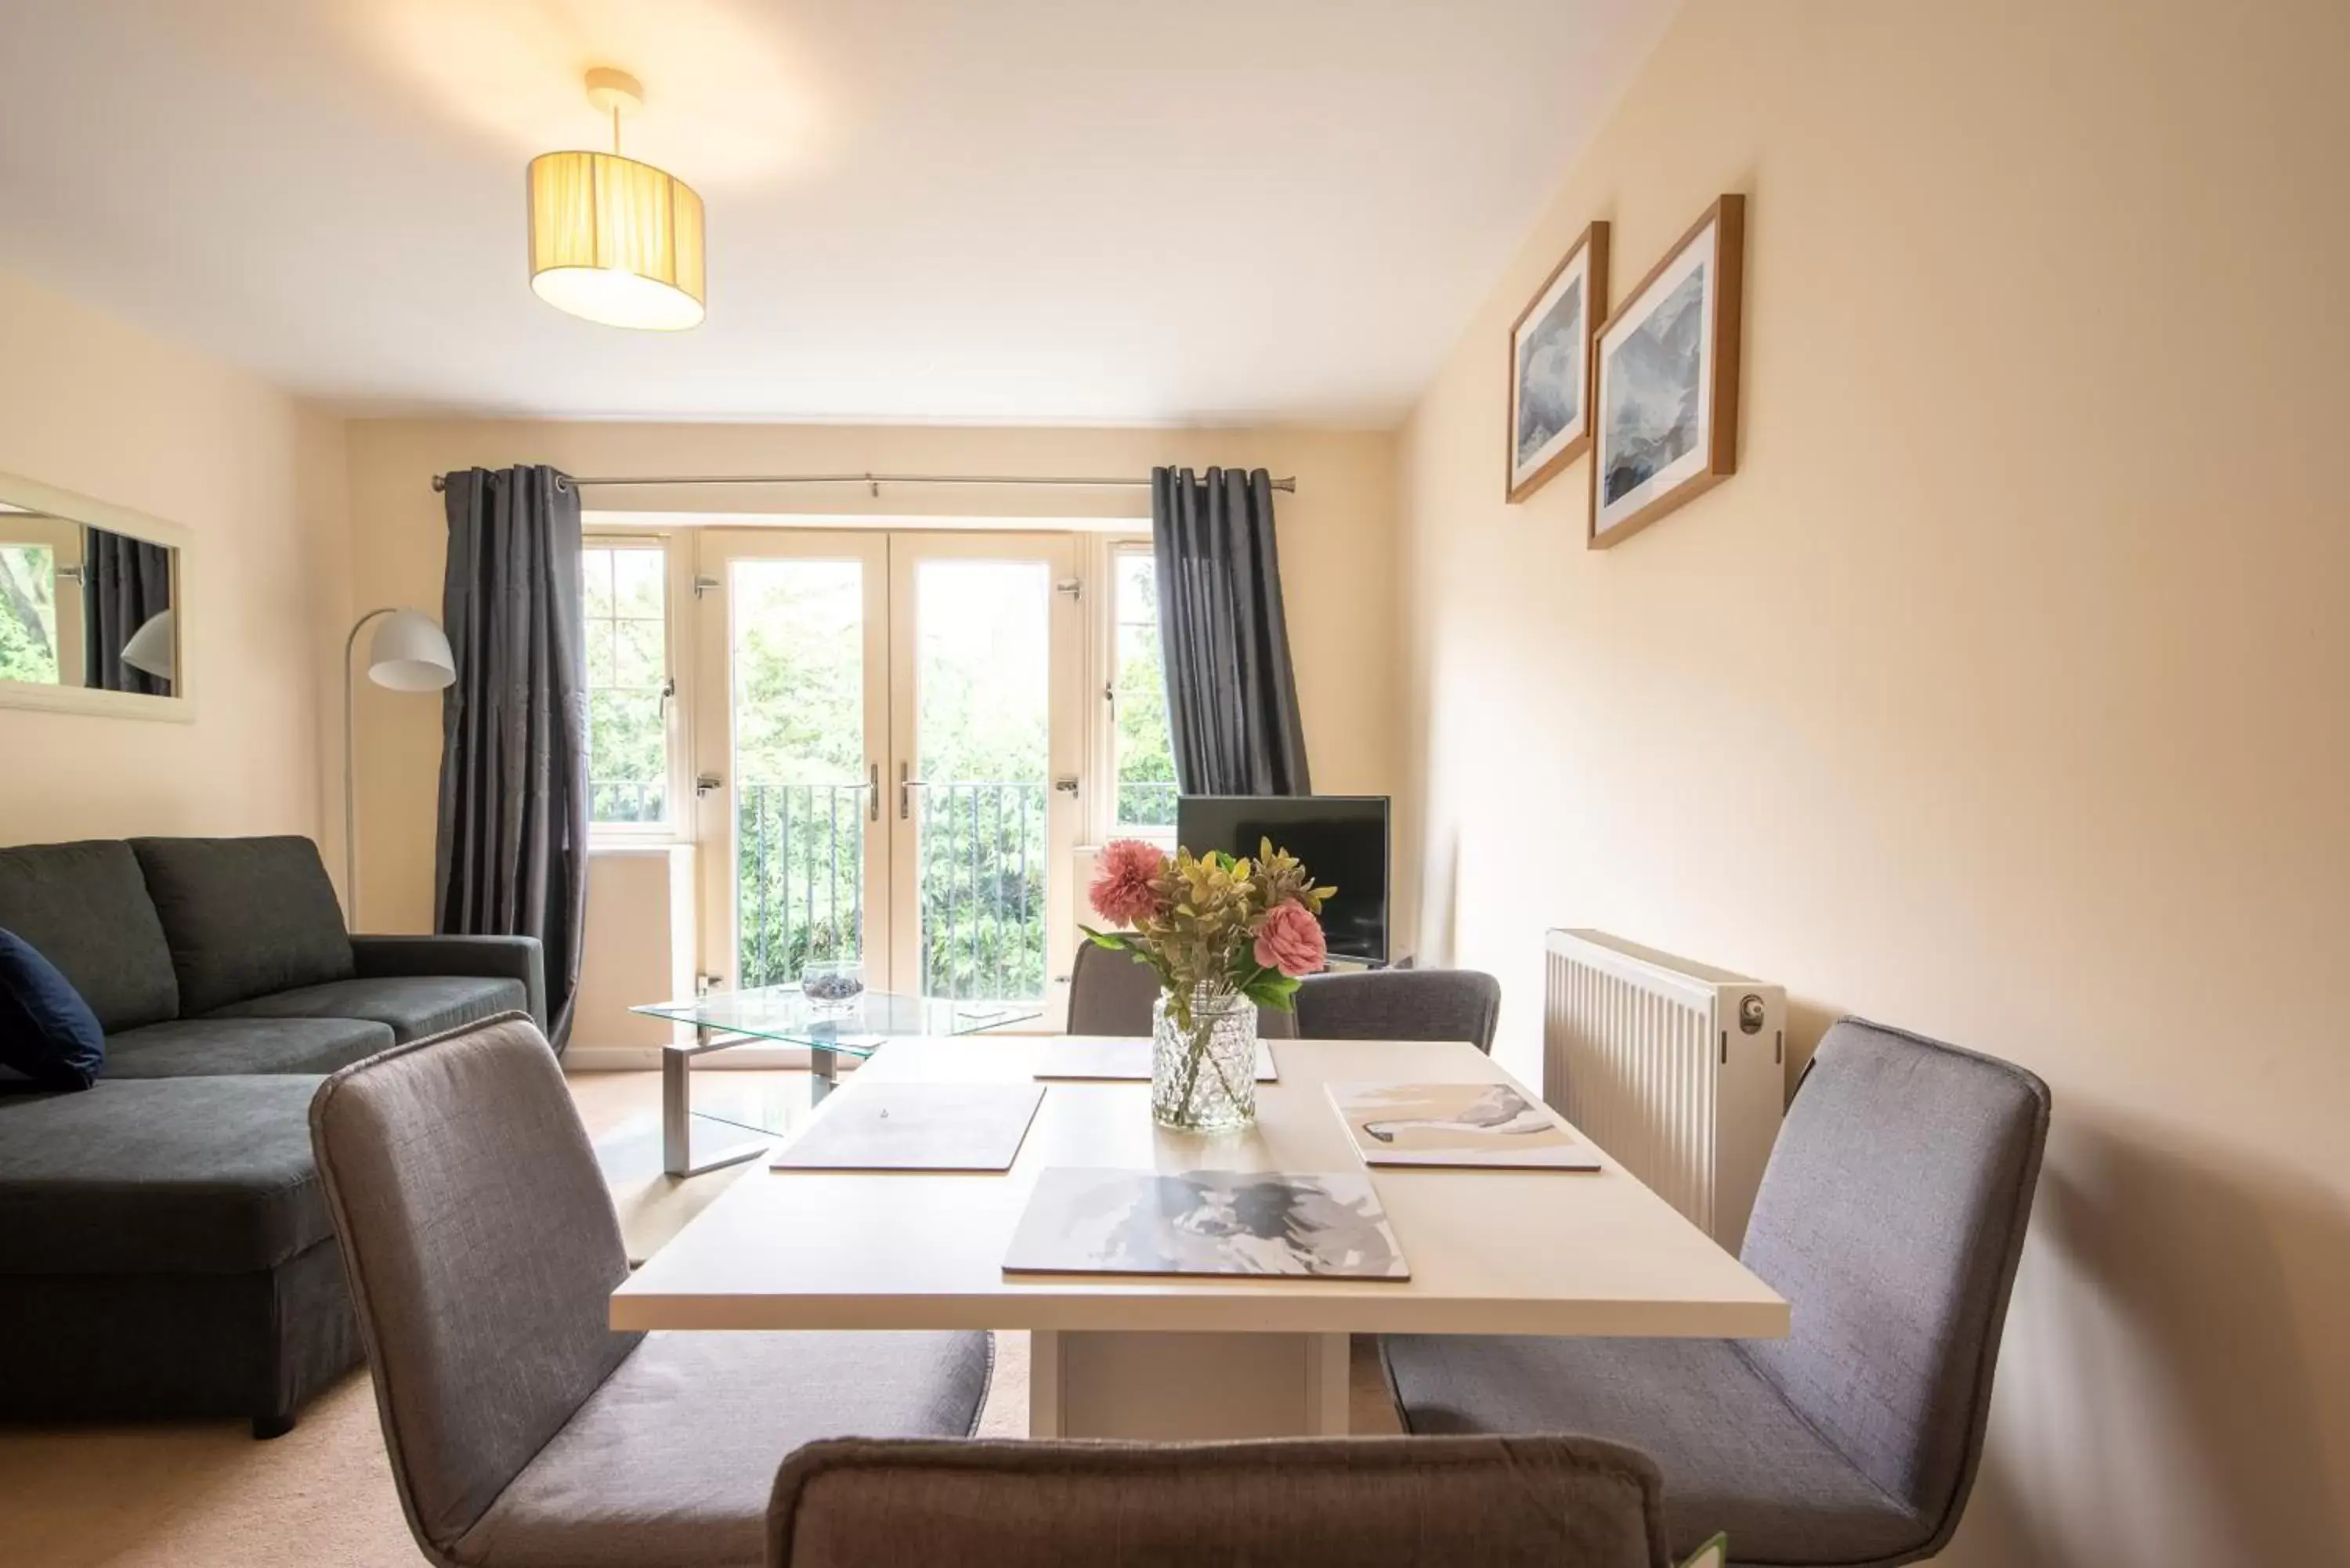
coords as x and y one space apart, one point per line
1342 839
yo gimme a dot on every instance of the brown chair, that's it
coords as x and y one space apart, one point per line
1315 1503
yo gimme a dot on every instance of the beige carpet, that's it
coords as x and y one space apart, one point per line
205 1495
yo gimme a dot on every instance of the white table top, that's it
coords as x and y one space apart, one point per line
1492 1252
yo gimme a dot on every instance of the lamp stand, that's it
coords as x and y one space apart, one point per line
351 774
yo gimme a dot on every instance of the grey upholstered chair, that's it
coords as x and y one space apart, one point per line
1110 994
480 1246
1400 1004
1890 1217
1361 1503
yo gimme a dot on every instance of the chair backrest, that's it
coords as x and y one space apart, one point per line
481 1245
1400 1004
1347 1502
1891 1215
1110 994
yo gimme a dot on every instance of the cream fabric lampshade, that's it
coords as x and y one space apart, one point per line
615 241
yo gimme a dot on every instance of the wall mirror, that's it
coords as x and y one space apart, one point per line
91 606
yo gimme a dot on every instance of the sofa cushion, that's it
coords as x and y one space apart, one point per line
160 1176
47 1033
415 1005
244 916
218 1047
84 907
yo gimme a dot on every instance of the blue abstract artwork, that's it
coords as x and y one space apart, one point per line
1655 381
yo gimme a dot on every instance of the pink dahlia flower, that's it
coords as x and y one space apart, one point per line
1289 938
1126 881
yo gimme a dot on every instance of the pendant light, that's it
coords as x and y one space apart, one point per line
611 239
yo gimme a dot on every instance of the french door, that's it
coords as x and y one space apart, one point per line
886 756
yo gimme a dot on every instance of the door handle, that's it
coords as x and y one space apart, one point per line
704 782
906 788
873 782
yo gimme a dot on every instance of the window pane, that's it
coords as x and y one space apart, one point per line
28 614
629 760
628 665
802 800
637 583
983 682
638 656
1146 758
595 582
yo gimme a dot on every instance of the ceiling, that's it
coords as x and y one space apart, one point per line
1088 210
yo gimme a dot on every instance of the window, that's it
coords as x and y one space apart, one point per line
624 585
1144 755
28 614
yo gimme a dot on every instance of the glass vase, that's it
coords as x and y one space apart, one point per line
1203 1062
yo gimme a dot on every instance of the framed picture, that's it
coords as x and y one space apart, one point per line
1550 366
1666 380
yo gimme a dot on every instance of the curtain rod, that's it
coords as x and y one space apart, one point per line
440 481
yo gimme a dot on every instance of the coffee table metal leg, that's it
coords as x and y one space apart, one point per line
677 1114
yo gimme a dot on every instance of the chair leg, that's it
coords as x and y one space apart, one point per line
271 1425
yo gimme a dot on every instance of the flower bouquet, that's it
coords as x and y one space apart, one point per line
1225 936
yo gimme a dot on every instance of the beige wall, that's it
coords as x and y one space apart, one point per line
1336 535
2005 693
90 404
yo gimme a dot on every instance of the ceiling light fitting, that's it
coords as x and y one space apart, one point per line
611 239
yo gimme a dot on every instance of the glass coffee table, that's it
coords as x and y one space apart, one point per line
783 1014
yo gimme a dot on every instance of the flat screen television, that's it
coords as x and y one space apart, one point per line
1342 839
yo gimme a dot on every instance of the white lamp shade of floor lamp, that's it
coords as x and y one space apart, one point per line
408 652
153 648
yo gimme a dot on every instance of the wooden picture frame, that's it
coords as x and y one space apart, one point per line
1665 381
1545 437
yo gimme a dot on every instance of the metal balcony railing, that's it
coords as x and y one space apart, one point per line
800 883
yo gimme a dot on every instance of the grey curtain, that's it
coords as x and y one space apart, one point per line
125 583
512 841
1231 696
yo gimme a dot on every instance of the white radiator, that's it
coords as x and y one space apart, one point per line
1676 1068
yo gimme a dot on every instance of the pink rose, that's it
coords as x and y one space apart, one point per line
1126 881
1289 938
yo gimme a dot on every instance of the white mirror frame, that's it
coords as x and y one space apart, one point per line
179 708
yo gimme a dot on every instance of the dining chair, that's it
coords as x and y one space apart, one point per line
1400 1004
481 1247
1891 1217
1110 994
1346 1503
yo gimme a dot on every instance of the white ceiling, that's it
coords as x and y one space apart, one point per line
1181 210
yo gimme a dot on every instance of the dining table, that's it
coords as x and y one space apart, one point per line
1490 1251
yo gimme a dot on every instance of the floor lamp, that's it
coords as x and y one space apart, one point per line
407 653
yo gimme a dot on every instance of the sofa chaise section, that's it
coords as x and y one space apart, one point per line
164 1251
169 1253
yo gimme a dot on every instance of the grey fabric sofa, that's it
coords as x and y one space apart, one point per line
164 1244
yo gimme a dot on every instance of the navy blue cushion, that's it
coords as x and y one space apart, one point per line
47 1033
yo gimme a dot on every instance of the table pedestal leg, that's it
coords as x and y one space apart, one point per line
823 1069
1115 1384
